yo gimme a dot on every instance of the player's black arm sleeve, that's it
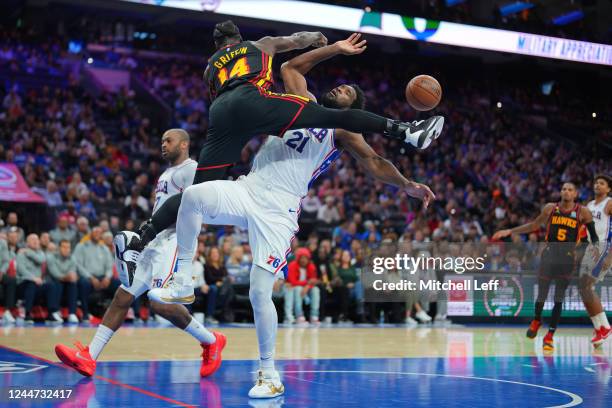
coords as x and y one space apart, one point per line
592 233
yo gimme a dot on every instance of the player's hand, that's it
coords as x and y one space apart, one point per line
595 252
501 234
352 45
204 289
104 283
320 41
37 281
422 192
305 291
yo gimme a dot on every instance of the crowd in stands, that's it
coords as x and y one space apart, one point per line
95 161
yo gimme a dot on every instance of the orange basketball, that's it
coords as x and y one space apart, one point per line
423 92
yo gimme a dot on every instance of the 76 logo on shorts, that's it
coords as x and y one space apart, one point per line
274 261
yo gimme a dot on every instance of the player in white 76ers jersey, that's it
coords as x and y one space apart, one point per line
154 269
594 270
267 201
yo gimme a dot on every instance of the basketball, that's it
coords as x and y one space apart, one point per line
423 92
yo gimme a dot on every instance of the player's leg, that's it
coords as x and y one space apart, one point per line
217 202
315 302
83 359
560 288
268 383
543 287
590 274
212 343
272 113
417 134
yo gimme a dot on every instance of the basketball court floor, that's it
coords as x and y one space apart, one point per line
455 366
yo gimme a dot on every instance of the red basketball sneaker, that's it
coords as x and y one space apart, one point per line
600 336
532 331
548 341
211 355
79 359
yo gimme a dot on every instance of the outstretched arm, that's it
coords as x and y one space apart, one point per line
296 41
379 167
293 71
528 227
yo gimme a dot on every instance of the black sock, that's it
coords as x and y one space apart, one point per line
539 306
555 316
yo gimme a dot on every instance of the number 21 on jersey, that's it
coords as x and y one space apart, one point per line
240 68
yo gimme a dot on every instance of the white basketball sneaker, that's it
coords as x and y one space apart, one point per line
175 292
268 385
126 258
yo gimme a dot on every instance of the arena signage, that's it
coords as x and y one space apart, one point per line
395 25
13 187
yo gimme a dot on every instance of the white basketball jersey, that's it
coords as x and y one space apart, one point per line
173 181
603 221
293 162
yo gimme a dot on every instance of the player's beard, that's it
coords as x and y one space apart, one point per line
171 156
328 101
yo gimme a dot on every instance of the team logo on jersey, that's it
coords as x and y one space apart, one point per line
319 134
162 187
274 261
573 214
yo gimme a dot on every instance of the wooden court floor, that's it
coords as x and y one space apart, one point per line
156 344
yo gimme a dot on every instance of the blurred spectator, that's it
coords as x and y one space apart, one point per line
136 206
8 253
101 189
85 207
328 214
82 230
12 221
63 232
94 264
62 277
77 184
30 284
51 194
301 286
347 286
220 292
238 266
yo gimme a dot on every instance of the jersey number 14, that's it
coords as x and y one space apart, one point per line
240 68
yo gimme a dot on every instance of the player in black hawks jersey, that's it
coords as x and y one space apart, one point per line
563 221
239 74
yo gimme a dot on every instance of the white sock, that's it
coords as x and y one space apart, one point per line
603 320
103 336
266 319
200 332
595 320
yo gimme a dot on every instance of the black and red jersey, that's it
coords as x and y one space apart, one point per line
564 226
236 64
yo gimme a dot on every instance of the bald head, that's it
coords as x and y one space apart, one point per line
175 146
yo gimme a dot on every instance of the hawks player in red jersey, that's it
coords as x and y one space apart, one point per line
563 221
